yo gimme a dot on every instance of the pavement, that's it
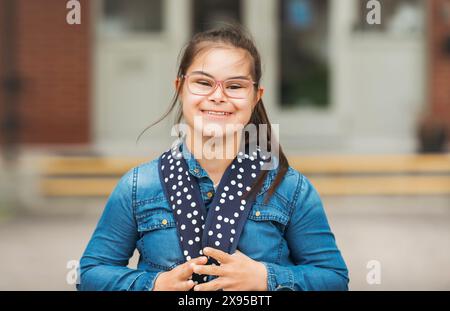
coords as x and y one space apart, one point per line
405 239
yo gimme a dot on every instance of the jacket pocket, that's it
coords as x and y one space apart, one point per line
263 236
262 213
156 219
159 243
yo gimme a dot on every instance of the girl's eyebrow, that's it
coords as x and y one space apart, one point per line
211 76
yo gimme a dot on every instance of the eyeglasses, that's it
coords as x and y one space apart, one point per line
200 84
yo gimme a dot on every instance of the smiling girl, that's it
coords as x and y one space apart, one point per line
218 210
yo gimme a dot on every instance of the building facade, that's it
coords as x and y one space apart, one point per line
334 83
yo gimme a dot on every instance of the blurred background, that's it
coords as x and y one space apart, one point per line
363 111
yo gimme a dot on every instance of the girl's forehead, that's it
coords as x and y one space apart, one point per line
222 62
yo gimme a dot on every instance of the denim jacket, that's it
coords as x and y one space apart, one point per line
289 234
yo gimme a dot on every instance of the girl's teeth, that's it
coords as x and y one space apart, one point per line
217 113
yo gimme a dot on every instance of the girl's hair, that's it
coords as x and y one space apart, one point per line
235 36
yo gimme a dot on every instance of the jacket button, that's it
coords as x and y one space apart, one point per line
164 221
209 194
258 213
196 170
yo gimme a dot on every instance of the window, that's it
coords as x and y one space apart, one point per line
304 55
132 16
210 13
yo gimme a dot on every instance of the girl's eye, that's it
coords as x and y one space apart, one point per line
235 86
204 82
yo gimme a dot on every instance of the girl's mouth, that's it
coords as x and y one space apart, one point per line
216 114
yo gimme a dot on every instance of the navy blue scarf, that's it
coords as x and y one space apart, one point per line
222 226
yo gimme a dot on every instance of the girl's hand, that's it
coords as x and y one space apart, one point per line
179 278
236 272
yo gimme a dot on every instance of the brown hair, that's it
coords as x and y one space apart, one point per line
235 36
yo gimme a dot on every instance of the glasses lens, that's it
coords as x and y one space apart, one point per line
238 88
200 85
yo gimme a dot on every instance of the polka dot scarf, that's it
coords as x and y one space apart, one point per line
226 216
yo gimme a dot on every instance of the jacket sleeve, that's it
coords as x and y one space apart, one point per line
103 265
318 261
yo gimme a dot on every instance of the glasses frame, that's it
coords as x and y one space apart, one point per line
216 83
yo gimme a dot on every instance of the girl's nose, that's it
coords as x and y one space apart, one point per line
218 94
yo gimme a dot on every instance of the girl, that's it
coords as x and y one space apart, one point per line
203 221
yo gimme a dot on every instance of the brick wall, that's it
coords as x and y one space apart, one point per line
53 60
439 61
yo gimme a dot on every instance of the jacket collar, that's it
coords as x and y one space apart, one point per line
197 170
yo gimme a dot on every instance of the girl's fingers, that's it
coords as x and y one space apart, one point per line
186 285
213 285
217 254
185 270
199 260
210 270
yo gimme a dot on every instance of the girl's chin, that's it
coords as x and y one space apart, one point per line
216 128
217 132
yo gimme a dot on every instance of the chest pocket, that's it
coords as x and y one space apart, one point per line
158 243
269 215
263 234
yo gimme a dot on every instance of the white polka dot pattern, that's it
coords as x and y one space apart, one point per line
228 211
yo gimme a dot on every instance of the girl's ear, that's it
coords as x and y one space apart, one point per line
177 83
259 95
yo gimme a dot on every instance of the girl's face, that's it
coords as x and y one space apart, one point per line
219 63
